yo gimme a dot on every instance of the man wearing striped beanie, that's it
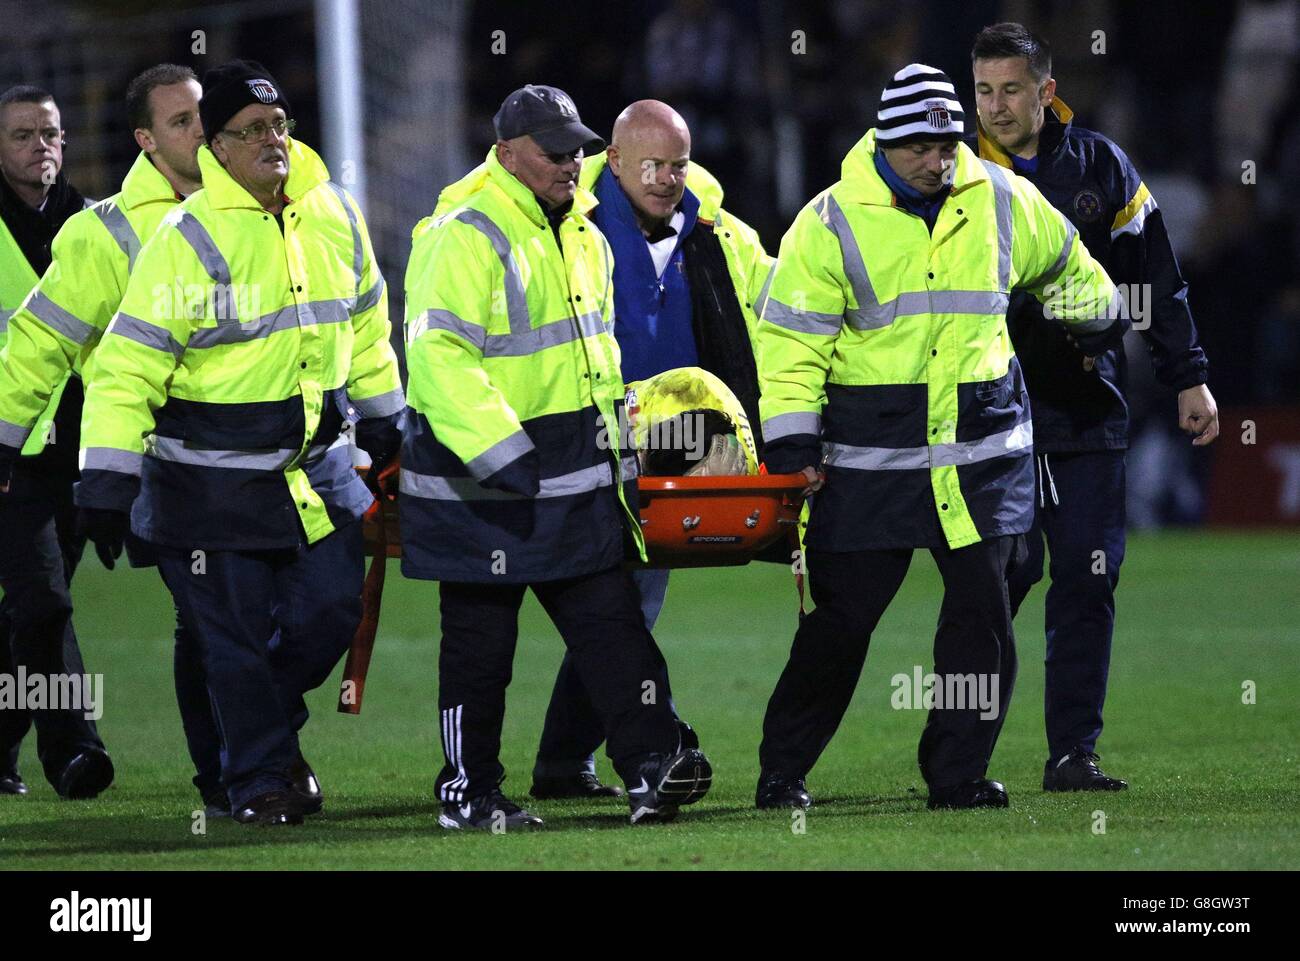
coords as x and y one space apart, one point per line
887 377
919 124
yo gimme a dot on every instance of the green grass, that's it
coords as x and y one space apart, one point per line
1215 782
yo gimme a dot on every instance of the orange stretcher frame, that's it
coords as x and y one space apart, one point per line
686 521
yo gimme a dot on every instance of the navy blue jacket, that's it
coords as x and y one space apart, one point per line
1092 182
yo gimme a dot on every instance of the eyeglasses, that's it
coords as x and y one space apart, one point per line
256 132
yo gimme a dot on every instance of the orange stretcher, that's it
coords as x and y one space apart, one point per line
686 521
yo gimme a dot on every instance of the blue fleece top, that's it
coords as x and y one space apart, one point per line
1023 166
909 198
652 315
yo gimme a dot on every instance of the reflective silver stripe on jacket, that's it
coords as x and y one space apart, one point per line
110 458
180 452
499 455
120 229
797 422
467 489
358 252
212 260
4 319
286 318
13 435
1013 441
512 344
1002 211
870 314
802 321
58 319
516 300
143 332
380 405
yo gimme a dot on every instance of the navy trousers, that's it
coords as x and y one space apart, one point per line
573 730
615 657
271 626
1081 517
39 551
852 591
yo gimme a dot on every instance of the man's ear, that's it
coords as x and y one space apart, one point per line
1048 92
613 158
144 140
219 151
506 154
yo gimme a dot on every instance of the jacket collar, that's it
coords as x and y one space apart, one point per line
1056 124
306 170
490 175
145 184
861 183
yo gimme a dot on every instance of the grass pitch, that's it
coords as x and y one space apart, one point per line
1214 781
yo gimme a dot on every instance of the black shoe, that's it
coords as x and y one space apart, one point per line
980 793
12 783
780 791
488 812
688 740
216 804
669 784
584 785
272 808
1078 771
86 775
305 782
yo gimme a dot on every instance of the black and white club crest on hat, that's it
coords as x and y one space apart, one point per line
263 90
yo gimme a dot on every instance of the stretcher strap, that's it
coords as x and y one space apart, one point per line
353 686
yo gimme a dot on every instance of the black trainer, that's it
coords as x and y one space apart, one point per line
488 812
583 785
276 808
1078 771
979 793
11 782
781 791
667 784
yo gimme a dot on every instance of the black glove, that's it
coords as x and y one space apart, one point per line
380 438
107 529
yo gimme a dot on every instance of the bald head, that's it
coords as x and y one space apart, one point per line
649 153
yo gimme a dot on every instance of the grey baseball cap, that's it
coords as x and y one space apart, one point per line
548 115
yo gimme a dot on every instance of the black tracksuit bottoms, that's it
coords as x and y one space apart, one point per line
617 660
852 591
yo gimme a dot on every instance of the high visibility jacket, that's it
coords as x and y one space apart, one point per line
16 281
63 317
887 345
243 343
512 468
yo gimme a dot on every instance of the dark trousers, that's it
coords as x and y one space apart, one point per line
573 729
851 591
39 551
202 738
1081 515
615 657
271 626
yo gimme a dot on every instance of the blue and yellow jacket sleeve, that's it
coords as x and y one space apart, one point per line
1142 260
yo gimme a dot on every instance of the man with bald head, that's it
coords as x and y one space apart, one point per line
688 281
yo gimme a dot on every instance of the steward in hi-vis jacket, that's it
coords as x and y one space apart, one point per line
253 330
515 473
884 357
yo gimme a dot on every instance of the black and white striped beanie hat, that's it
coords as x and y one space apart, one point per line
920 103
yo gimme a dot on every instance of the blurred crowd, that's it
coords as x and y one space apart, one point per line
776 92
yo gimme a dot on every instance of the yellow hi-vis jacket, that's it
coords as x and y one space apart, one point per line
243 345
883 351
512 468
59 324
